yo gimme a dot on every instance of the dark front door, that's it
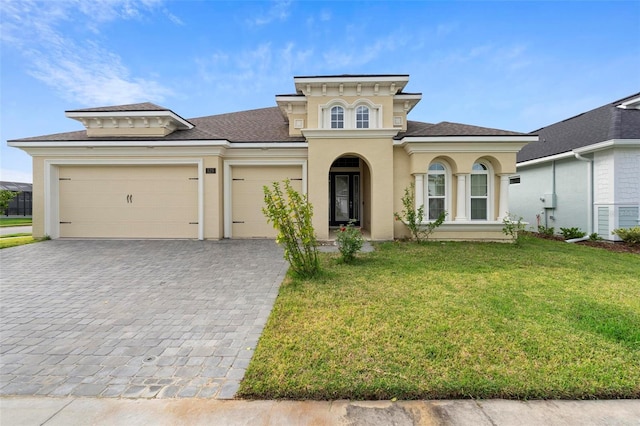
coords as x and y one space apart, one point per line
344 198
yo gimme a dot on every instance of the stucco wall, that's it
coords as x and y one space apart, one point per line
571 189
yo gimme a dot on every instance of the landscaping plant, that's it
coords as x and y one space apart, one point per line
571 233
5 198
349 240
290 213
513 228
630 236
549 232
413 216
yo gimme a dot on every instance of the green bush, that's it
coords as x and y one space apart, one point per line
594 237
630 236
570 233
291 216
413 216
349 240
549 232
513 228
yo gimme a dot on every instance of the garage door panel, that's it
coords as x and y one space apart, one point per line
128 201
248 221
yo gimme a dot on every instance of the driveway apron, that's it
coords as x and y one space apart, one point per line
133 319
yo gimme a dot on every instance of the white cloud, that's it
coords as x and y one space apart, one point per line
356 54
86 73
10 175
279 11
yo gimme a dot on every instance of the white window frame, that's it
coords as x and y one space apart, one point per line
489 197
447 187
362 123
350 114
340 124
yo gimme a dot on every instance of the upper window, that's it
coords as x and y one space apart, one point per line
436 191
362 117
479 192
337 117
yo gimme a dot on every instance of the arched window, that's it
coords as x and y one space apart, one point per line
337 117
362 117
436 191
479 192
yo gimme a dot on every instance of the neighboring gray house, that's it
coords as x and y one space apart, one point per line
583 172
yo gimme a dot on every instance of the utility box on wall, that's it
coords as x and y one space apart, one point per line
548 201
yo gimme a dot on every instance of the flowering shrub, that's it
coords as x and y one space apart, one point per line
349 240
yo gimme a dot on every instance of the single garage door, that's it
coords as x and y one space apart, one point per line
247 197
129 201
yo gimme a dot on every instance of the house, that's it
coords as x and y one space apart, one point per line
20 205
583 172
143 171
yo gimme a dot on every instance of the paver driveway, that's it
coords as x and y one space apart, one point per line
139 319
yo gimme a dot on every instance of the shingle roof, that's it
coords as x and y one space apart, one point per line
598 125
258 125
266 125
145 106
445 128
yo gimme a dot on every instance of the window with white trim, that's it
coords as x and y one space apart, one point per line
362 117
479 193
337 117
436 191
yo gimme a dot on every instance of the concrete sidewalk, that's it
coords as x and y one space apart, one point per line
28 411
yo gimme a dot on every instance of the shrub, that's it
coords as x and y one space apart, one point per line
5 198
513 228
349 240
630 236
594 237
549 232
570 233
413 216
291 216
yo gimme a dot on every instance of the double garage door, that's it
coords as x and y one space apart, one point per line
128 201
160 201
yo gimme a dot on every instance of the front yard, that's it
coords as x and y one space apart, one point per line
456 320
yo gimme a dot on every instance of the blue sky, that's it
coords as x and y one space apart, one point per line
513 65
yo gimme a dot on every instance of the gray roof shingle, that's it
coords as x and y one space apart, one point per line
144 106
598 125
261 125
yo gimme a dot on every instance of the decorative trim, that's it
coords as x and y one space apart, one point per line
442 145
349 133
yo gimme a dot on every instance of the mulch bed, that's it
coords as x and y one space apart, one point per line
619 247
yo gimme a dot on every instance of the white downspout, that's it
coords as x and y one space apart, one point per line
589 192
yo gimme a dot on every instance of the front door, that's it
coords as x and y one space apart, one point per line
344 196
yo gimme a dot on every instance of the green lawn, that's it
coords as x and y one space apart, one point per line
14 221
456 320
7 241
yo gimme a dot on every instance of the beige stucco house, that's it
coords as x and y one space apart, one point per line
143 171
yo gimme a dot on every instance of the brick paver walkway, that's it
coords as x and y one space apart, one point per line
133 319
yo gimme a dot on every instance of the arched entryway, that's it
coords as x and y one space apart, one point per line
349 192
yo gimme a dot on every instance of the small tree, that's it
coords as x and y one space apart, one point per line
513 228
291 214
413 216
5 198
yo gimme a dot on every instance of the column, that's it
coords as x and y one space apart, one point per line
461 200
503 204
419 190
